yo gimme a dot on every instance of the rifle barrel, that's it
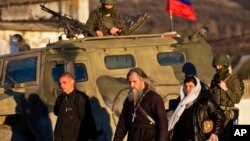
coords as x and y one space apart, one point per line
75 24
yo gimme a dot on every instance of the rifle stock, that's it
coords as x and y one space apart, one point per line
71 25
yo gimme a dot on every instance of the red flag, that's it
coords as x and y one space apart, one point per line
182 8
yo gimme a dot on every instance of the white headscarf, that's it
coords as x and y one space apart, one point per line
185 100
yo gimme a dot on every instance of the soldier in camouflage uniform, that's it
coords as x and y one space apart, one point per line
106 20
227 90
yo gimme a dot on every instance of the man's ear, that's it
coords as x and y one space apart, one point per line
72 82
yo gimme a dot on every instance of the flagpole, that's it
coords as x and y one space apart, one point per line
171 20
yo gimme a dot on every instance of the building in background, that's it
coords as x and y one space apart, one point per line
37 27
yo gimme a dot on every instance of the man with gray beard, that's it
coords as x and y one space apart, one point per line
143 115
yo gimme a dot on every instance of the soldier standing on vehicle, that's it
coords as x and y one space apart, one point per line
227 89
75 121
106 20
143 115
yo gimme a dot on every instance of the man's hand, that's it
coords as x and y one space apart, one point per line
223 85
99 33
114 30
213 137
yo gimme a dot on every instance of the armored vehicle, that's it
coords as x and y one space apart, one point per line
29 79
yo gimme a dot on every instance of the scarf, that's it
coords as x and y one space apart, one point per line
185 101
107 11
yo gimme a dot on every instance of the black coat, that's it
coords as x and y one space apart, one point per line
141 129
75 121
205 108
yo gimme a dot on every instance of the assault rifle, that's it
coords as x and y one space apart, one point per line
70 25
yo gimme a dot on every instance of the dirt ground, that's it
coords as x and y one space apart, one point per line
244 106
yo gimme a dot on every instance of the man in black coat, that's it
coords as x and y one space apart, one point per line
143 115
75 121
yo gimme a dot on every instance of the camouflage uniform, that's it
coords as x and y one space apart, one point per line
98 21
232 95
227 99
235 86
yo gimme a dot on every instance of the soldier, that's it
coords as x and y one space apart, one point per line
106 20
227 89
20 43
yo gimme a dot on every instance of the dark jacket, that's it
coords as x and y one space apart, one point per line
206 108
96 22
232 95
141 129
75 121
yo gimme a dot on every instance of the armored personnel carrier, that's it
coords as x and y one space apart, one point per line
29 79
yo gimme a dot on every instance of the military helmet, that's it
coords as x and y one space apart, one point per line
221 60
17 38
108 1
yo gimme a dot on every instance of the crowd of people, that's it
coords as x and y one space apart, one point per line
201 113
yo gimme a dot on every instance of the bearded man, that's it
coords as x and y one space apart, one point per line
143 115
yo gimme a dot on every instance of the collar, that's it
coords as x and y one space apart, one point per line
70 94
